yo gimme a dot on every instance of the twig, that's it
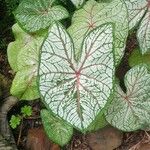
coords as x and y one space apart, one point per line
20 132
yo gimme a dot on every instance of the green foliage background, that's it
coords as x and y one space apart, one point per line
6 21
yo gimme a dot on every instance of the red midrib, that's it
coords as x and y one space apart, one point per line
77 73
148 3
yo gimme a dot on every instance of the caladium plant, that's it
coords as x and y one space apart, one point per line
23 56
75 67
77 91
139 13
130 110
34 15
92 15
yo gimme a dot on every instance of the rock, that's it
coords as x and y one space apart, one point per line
37 140
107 138
5 145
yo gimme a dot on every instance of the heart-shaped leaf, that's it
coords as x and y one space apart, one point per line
34 15
131 110
77 92
57 130
78 3
23 56
92 15
136 10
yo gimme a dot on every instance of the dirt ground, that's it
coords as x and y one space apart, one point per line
130 141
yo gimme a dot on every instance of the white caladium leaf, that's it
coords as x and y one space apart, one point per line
34 15
78 3
143 33
57 130
92 15
136 10
140 9
77 91
131 110
23 56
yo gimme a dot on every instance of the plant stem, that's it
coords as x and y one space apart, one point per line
20 132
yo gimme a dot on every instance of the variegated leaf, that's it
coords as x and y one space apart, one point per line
57 130
23 57
34 15
77 92
143 33
136 10
140 9
131 110
92 15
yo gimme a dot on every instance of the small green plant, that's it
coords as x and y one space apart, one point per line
15 121
73 69
26 111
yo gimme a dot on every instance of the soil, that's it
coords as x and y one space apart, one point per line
79 141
